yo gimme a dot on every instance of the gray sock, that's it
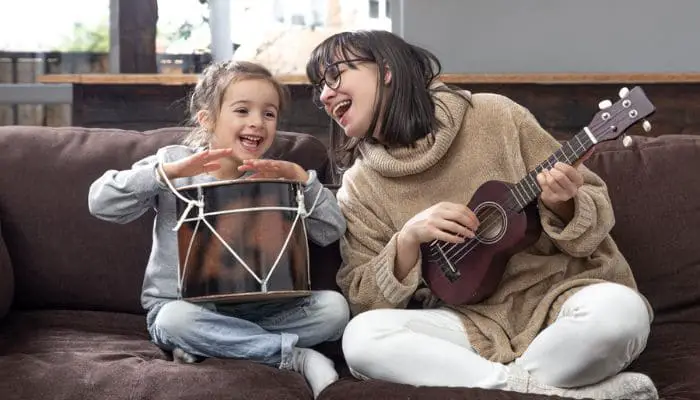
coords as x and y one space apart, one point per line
625 385
183 357
318 370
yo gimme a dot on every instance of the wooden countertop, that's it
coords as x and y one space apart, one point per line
574 78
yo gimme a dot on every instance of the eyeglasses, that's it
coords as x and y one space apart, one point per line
331 77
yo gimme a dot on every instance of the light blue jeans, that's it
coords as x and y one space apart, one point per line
265 332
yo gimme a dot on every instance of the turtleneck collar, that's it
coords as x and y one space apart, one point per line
426 152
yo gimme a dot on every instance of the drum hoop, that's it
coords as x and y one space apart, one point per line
240 181
240 210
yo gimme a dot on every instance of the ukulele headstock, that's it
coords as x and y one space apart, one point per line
614 119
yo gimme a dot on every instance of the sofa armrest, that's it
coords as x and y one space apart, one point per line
7 278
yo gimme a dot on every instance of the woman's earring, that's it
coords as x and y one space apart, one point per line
387 76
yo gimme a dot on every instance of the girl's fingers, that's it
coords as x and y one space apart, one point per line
219 153
212 166
253 161
261 167
264 163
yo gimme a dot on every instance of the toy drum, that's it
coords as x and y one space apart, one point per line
242 241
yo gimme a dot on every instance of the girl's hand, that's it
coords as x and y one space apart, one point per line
196 164
275 169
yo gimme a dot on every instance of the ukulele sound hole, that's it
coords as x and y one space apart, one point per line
492 222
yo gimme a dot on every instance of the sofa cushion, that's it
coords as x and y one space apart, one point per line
63 257
671 360
350 388
89 355
655 190
7 279
654 186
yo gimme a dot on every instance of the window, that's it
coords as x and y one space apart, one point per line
374 8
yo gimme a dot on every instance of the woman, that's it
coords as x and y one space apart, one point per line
566 318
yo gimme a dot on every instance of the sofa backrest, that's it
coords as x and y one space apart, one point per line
62 256
654 186
7 278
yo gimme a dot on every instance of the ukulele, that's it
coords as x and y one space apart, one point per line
509 222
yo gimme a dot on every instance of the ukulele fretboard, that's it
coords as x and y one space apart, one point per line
527 190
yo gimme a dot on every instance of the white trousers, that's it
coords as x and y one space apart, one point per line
600 330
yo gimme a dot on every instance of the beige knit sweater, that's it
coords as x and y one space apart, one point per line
493 139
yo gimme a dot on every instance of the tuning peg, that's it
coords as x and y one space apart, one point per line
604 104
627 141
646 125
624 92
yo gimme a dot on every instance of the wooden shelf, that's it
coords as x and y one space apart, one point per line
139 79
574 78
190 79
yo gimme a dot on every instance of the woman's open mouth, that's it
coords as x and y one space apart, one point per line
340 109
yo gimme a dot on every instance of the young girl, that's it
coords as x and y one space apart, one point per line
566 318
236 105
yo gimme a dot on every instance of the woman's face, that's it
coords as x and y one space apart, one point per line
348 95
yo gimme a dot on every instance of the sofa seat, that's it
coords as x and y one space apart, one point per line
350 388
111 351
76 354
671 359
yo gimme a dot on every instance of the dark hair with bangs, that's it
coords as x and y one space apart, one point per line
409 107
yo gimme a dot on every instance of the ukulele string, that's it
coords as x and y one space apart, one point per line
488 222
491 218
488 216
509 208
470 245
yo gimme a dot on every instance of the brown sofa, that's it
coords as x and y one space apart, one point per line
72 327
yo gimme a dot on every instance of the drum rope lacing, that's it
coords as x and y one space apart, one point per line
199 203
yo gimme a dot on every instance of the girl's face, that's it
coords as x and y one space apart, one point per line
247 121
349 94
